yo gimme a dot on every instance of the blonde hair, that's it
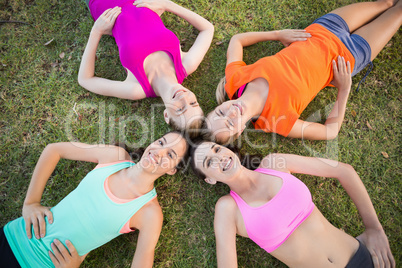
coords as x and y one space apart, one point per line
220 91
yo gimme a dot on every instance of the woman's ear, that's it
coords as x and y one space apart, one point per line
172 171
210 181
166 116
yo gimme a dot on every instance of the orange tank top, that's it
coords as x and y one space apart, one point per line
295 75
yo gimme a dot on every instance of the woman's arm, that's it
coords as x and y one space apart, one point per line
196 53
374 236
32 211
225 232
149 223
86 75
330 129
238 41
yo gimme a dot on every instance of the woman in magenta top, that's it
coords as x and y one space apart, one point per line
275 210
150 53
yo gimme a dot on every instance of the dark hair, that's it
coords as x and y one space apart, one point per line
249 161
193 146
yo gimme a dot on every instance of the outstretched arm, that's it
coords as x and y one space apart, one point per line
374 236
330 129
238 41
191 59
32 211
86 75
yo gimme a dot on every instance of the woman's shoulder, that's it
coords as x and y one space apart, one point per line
226 204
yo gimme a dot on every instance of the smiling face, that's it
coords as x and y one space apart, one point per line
227 121
163 155
182 108
216 162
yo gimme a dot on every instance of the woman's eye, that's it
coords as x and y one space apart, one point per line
193 103
217 149
160 142
221 112
208 163
170 155
179 110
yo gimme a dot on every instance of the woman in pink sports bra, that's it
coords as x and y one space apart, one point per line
118 196
275 210
150 54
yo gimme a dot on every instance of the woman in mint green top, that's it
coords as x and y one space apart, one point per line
116 197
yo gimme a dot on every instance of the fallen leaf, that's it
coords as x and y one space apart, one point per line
354 113
61 55
385 154
54 64
369 126
219 43
48 42
69 57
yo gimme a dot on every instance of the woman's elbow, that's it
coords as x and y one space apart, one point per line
332 133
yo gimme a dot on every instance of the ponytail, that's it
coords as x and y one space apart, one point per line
220 91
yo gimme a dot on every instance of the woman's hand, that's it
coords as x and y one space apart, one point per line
104 24
342 75
289 36
157 6
34 214
377 243
62 258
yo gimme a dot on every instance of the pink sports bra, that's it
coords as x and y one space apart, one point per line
271 224
140 32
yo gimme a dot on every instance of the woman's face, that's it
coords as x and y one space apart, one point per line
217 162
163 155
182 108
227 120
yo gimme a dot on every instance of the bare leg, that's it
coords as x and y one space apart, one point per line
359 14
378 32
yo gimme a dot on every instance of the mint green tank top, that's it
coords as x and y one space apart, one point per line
87 217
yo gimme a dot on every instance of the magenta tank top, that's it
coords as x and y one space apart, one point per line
140 32
271 224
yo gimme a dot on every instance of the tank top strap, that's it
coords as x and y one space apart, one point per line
273 172
110 169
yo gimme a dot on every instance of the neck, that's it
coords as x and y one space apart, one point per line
254 99
244 182
140 179
163 84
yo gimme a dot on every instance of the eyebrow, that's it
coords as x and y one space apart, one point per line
164 140
203 162
185 109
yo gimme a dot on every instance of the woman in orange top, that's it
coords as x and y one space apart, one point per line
275 90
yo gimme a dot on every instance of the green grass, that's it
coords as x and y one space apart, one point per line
38 90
